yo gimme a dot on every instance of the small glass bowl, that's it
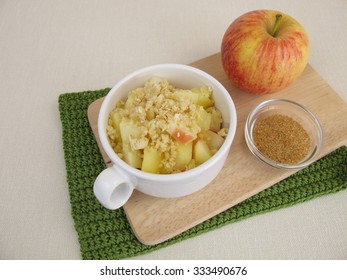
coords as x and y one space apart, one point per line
297 112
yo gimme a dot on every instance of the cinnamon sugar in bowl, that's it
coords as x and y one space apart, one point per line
283 134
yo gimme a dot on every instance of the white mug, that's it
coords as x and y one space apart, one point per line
114 186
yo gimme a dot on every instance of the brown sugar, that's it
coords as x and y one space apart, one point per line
281 139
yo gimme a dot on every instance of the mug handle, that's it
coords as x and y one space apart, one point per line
113 188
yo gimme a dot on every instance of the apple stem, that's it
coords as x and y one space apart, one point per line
274 29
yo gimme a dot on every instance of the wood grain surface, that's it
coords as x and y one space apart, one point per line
155 220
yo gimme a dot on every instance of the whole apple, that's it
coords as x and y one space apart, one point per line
264 51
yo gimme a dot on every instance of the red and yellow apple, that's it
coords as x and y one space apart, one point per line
264 51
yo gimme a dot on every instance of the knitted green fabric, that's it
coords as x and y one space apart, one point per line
105 234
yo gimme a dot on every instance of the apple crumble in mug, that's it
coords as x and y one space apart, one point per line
163 129
163 140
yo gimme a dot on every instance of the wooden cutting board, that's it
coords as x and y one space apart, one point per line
155 220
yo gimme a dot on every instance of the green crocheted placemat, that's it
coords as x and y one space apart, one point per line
105 234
